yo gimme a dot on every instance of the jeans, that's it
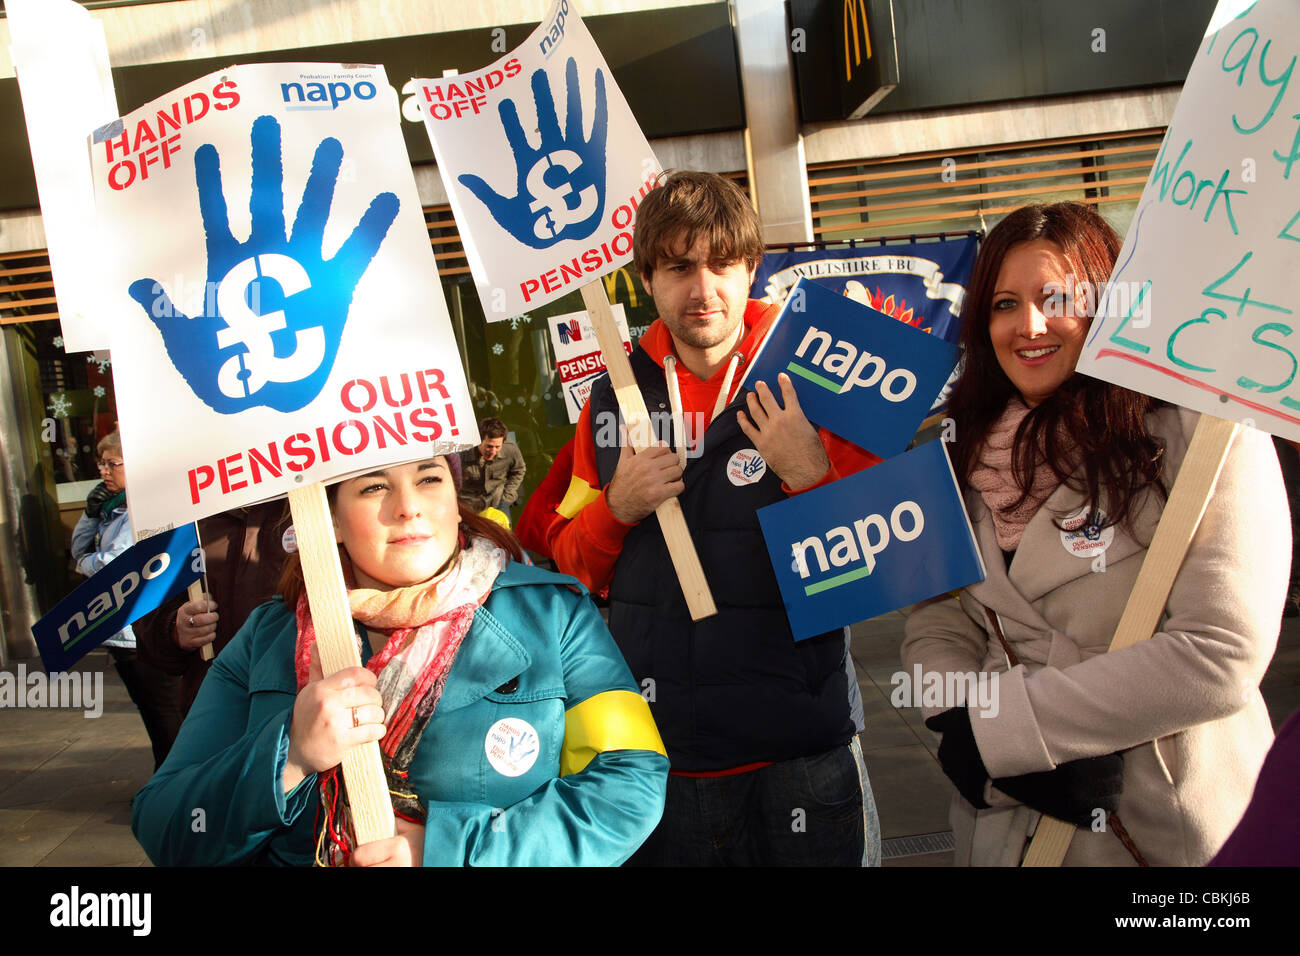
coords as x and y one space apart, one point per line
810 811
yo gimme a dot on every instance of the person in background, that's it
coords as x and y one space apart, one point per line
101 534
1151 751
244 552
493 471
510 729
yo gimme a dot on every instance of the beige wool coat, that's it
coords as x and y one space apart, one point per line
1183 706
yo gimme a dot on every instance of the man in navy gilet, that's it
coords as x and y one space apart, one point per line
760 730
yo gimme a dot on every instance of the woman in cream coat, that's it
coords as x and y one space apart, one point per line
1182 710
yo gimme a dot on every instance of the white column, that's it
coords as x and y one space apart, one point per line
778 175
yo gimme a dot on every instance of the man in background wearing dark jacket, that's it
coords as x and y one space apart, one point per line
493 471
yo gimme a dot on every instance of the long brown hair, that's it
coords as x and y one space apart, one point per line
1087 421
473 525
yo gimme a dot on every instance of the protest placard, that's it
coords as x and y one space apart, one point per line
1203 301
275 308
541 215
254 358
542 208
131 585
859 373
61 61
578 359
876 541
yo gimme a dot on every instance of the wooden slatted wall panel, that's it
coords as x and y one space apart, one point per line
960 190
26 287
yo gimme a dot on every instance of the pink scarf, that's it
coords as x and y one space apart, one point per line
993 478
425 624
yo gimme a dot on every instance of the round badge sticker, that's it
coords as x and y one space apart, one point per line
512 746
1086 538
289 540
745 467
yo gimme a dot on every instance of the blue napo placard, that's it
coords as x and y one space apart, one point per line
131 585
868 544
859 373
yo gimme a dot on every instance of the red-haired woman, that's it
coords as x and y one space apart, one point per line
1151 750
511 729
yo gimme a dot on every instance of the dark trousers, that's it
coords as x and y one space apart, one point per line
803 812
156 695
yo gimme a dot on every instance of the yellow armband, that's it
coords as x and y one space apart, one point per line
614 720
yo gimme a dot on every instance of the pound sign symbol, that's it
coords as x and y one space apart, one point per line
558 215
243 374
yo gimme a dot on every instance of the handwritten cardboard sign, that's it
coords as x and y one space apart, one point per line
544 165
274 304
1203 305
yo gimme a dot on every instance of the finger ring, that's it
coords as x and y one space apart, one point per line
355 722
191 620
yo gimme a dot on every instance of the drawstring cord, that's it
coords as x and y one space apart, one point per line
675 400
675 405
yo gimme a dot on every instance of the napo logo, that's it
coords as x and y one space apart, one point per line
745 467
841 368
324 96
854 547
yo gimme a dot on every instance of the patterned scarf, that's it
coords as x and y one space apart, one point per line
425 625
994 479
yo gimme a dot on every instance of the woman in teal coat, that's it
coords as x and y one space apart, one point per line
511 729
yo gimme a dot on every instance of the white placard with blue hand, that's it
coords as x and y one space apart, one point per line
542 208
868 544
273 302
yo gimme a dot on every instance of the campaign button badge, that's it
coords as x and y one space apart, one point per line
1083 536
745 467
512 746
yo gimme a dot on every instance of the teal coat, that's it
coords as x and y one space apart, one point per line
218 798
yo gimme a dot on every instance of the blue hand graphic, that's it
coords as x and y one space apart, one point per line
275 309
561 188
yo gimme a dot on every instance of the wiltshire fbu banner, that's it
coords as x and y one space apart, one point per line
273 301
919 283
545 201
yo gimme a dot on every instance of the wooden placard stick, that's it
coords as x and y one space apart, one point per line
196 593
1182 516
686 562
363 767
